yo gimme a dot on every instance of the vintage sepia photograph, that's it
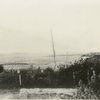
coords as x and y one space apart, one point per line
49 49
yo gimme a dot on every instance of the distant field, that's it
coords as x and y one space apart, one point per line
41 60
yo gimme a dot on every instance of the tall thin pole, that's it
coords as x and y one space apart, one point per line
54 54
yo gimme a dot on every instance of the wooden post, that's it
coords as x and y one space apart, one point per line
73 78
20 78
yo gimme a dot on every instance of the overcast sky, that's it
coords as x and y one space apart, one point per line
25 26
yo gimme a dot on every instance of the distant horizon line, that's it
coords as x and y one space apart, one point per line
47 55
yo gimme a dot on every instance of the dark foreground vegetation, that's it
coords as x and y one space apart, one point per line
84 74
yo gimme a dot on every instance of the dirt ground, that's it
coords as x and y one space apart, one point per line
37 93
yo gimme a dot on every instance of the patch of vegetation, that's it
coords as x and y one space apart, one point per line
83 74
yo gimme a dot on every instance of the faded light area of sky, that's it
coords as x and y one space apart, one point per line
25 26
